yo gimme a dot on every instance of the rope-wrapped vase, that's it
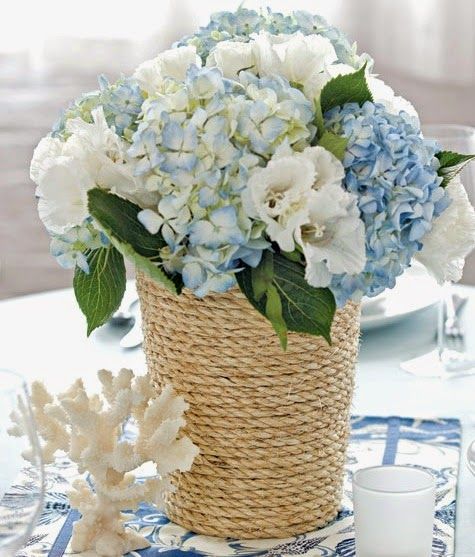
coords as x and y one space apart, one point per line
272 426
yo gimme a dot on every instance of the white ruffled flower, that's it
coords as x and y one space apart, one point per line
333 236
92 136
278 196
231 57
47 150
103 153
451 238
328 169
300 58
93 155
170 63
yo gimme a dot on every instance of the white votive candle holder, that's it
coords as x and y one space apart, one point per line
394 511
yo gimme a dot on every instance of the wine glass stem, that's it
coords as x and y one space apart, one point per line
442 313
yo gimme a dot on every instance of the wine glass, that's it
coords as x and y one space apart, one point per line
448 360
21 466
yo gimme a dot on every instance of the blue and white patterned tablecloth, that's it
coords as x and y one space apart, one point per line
433 445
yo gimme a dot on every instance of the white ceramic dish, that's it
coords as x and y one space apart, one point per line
415 291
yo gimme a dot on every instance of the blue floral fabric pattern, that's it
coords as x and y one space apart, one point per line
432 445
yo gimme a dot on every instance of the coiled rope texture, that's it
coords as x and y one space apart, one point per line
272 426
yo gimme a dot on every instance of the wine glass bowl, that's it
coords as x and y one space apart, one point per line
448 360
458 138
21 466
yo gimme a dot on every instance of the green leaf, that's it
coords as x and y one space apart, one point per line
319 122
274 314
451 164
350 88
173 284
100 291
262 275
304 309
336 144
118 219
120 215
295 255
449 159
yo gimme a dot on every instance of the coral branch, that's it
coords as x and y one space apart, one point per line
90 429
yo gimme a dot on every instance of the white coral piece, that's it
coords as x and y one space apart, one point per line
89 428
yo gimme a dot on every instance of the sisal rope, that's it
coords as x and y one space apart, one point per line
272 426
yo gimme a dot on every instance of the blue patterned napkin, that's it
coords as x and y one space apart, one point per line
433 445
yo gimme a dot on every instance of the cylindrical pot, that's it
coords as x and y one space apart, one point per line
272 426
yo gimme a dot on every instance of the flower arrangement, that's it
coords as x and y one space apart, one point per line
262 152
90 430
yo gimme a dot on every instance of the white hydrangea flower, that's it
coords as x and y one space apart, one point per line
333 236
382 93
170 63
231 57
451 238
300 58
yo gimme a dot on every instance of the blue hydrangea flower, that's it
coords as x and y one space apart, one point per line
274 110
239 25
121 102
196 144
69 248
393 171
221 227
208 270
179 144
310 24
146 150
80 108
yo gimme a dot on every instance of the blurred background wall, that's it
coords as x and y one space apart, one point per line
51 51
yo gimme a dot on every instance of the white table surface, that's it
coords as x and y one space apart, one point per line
43 337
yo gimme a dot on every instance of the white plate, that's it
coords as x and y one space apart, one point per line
415 290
